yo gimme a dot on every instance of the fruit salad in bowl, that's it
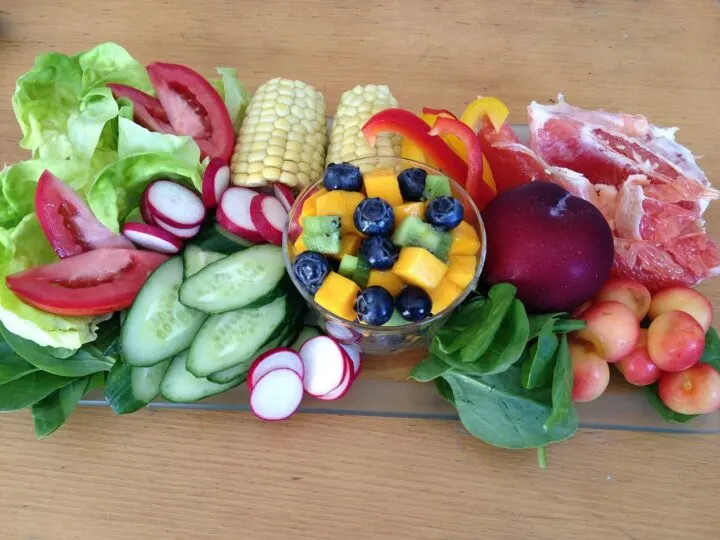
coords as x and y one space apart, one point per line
383 254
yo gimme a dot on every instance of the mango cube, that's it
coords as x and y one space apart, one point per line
461 269
340 203
384 184
337 294
309 207
299 245
443 295
465 240
386 279
402 211
349 245
417 266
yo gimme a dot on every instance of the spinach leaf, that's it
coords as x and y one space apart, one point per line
82 362
668 414
562 385
51 412
12 366
29 389
508 343
711 354
489 320
428 369
498 410
537 322
537 367
443 388
563 326
457 332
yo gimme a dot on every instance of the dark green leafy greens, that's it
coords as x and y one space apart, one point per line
51 412
562 385
711 355
537 366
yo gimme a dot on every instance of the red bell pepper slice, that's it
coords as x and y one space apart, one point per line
480 192
411 126
439 112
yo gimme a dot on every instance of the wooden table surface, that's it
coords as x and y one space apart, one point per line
167 474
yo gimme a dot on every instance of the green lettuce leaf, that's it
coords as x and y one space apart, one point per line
234 94
116 190
134 139
24 247
109 62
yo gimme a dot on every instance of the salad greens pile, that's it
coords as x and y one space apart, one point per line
76 129
507 373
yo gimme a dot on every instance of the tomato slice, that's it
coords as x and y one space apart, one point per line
147 110
68 224
93 283
194 108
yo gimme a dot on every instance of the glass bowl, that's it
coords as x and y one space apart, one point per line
379 339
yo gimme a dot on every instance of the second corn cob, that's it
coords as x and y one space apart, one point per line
283 136
347 141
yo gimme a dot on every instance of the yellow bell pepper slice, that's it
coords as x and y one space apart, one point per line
496 111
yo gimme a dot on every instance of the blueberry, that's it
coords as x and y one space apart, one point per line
444 213
413 303
311 268
412 183
379 252
343 176
374 217
374 305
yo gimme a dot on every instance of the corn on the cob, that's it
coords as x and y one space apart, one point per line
283 136
347 141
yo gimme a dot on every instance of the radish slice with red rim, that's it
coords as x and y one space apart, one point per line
145 209
153 238
276 395
342 333
175 204
325 365
269 217
215 181
280 358
285 195
233 213
354 352
178 231
344 386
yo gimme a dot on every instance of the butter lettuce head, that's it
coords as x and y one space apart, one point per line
233 93
25 247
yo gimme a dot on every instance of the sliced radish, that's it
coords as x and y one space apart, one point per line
342 333
145 209
180 232
175 204
269 217
325 365
215 181
355 354
344 386
272 360
151 237
233 213
284 194
277 395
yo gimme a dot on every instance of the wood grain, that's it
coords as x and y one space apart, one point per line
165 474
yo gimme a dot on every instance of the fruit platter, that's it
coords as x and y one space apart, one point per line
179 241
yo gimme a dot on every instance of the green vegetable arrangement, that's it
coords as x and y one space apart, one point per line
507 373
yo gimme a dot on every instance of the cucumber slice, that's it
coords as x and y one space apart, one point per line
128 388
305 334
181 386
158 326
436 186
235 281
323 243
412 231
228 339
320 225
195 259
216 238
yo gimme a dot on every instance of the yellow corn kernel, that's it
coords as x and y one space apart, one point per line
340 203
465 240
386 279
443 295
402 211
337 294
349 245
417 266
461 270
383 183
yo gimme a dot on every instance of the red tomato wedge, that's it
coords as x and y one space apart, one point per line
93 283
147 110
68 224
194 108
